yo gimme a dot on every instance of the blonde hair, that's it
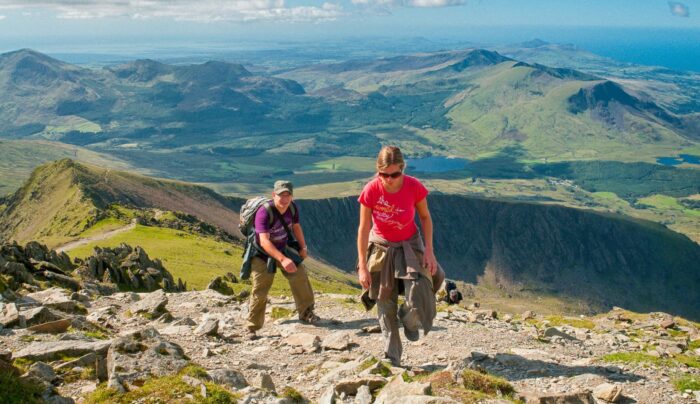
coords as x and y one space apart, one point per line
390 155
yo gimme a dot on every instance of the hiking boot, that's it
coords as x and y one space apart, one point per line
311 318
250 335
411 335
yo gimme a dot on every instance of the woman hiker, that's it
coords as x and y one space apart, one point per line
392 258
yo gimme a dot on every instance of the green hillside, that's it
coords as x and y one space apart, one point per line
62 199
198 259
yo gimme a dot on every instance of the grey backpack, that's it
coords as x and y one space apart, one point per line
246 225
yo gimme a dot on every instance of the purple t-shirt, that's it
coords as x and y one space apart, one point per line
278 235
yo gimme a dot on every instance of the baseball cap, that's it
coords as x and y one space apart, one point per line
283 186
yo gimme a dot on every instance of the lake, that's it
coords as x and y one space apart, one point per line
682 158
436 164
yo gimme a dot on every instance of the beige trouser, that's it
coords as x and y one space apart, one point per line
262 281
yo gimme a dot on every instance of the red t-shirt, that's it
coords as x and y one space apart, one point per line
393 215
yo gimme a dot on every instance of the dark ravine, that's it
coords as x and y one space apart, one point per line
603 260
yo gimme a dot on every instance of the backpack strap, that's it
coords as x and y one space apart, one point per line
278 216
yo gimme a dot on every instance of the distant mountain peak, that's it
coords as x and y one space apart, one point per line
479 57
141 70
26 66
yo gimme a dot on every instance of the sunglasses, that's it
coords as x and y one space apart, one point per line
394 175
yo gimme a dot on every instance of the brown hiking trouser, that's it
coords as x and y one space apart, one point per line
262 281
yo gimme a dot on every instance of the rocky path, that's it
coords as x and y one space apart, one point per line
87 240
329 362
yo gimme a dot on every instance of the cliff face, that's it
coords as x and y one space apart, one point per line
604 260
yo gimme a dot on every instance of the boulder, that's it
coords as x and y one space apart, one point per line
667 323
85 360
49 350
39 315
364 395
608 392
42 371
308 342
228 377
61 280
176 330
152 304
52 327
338 341
349 387
55 298
328 396
265 381
9 315
209 326
141 354
397 388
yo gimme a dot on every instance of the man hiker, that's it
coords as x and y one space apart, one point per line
272 235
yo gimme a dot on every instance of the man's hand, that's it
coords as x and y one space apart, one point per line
288 265
364 276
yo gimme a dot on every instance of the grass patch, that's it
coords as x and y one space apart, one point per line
72 375
97 334
690 361
692 345
280 312
485 383
168 389
367 364
22 364
639 358
381 369
292 394
690 382
573 322
103 226
443 385
195 371
17 391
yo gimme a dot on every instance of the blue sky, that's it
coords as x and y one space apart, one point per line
278 19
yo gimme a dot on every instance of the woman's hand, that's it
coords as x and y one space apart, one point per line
430 262
288 265
304 252
364 276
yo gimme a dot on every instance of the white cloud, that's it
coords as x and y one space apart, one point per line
409 3
679 9
181 10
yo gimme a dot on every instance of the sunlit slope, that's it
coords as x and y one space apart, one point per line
64 198
475 103
519 104
198 259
